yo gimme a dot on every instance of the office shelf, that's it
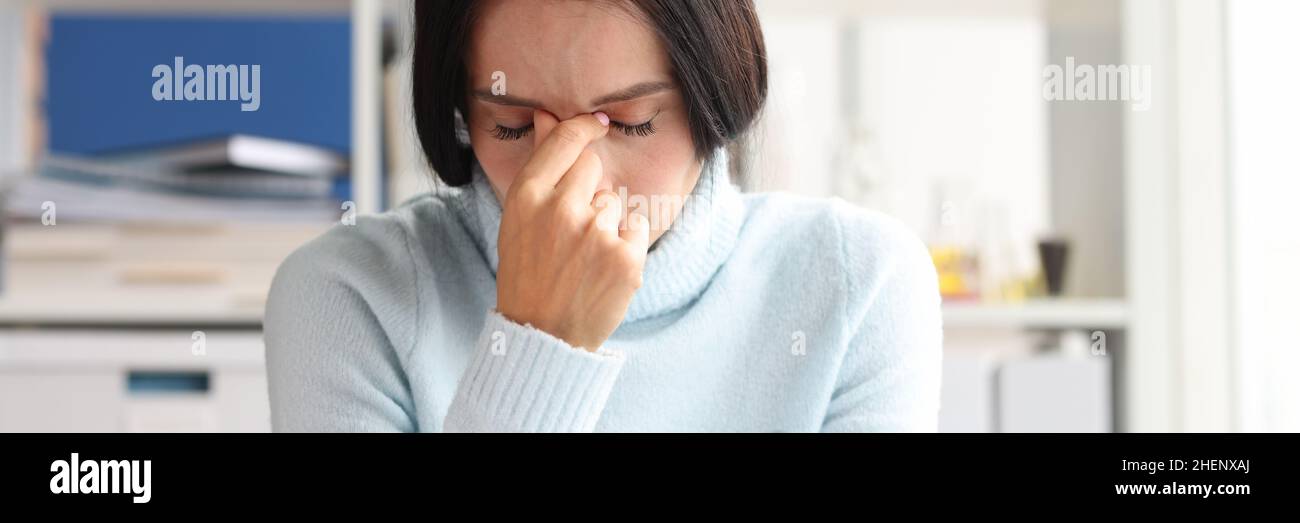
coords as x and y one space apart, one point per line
367 30
1105 313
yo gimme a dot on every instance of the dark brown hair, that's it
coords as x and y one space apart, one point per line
715 47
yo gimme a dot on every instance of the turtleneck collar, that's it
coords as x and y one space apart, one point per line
681 263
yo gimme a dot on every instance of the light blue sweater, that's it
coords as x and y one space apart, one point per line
760 312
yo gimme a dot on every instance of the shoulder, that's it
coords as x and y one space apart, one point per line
365 269
373 252
342 275
867 241
881 285
868 248
352 254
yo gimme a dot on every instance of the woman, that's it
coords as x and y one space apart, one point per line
591 266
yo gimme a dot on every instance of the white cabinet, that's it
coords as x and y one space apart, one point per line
1040 366
131 380
1054 393
98 323
1048 392
967 399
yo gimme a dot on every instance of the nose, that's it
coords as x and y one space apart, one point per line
610 176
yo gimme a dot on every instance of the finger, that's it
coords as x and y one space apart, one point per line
558 144
609 210
543 123
637 234
580 183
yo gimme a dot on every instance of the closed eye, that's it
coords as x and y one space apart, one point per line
643 129
504 133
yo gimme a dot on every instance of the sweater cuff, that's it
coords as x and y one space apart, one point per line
525 380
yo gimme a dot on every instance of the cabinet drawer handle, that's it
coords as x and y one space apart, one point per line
167 382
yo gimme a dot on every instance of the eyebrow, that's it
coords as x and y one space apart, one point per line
631 93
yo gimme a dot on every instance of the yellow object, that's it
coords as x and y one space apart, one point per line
954 268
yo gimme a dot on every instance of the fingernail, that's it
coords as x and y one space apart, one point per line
604 118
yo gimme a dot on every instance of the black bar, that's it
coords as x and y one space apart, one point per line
322 472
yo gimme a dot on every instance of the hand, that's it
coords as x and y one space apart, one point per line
565 266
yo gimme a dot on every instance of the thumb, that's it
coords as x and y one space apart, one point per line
637 234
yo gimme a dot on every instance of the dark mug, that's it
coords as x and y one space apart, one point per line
1052 253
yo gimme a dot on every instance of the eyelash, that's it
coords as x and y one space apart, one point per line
643 130
504 133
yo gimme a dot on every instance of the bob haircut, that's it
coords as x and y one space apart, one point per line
715 47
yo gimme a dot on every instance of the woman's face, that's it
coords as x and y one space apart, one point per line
569 58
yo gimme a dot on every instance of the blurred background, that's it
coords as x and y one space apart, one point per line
1107 188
